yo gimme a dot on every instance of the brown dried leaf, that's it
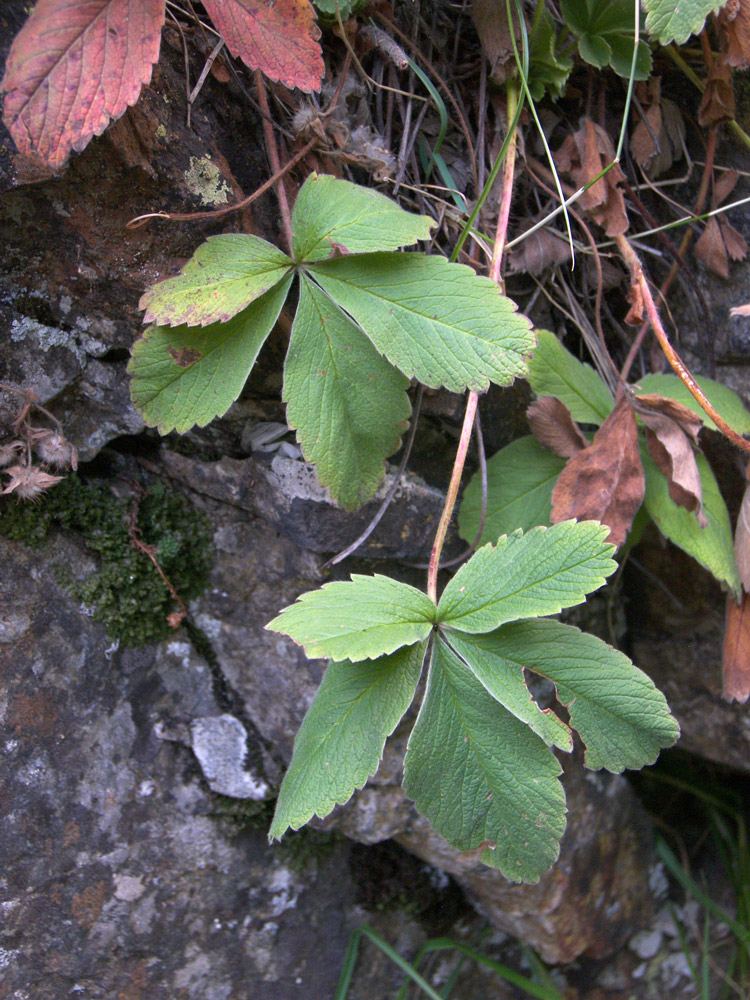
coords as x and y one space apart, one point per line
717 103
723 186
584 155
717 243
73 67
637 312
670 449
650 402
604 481
658 138
734 21
736 652
491 21
555 428
541 250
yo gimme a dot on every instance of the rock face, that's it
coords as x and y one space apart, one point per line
119 876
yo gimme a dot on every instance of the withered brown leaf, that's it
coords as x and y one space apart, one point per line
719 242
583 155
554 427
659 136
491 21
605 481
734 22
736 651
717 103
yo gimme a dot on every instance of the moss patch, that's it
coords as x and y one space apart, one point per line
126 593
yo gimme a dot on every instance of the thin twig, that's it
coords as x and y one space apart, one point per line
639 279
141 220
204 73
175 618
273 156
452 494
389 495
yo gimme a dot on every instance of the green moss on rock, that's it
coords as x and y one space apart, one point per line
126 593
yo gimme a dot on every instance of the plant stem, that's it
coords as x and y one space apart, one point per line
450 500
273 156
471 403
505 199
639 279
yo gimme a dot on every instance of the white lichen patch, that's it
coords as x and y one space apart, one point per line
220 744
204 180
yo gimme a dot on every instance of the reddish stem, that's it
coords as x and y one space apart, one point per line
450 500
273 156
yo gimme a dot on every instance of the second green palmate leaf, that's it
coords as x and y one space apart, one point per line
482 777
347 403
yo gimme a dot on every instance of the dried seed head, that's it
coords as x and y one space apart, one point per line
53 449
28 482
10 452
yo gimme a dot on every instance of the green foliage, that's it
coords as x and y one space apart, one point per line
553 371
347 404
549 68
125 593
429 318
478 764
606 35
509 797
520 480
669 22
327 8
524 575
712 546
341 740
360 619
188 375
435 321
726 402
521 477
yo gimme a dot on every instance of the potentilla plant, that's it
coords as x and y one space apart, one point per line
480 762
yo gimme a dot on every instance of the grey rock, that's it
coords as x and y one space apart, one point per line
286 493
118 878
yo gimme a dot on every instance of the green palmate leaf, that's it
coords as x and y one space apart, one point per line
345 8
186 375
538 573
621 716
347 403
223 276
481 776
726 402
548 69
553 371
340 743
676 22
606 34
504 680
332 215
435 321
520 480
712 546
357 620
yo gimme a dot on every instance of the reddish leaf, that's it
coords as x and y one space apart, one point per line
605 481
736 652
74 66
554 427
279 37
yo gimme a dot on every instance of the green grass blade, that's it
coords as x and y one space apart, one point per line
352 951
